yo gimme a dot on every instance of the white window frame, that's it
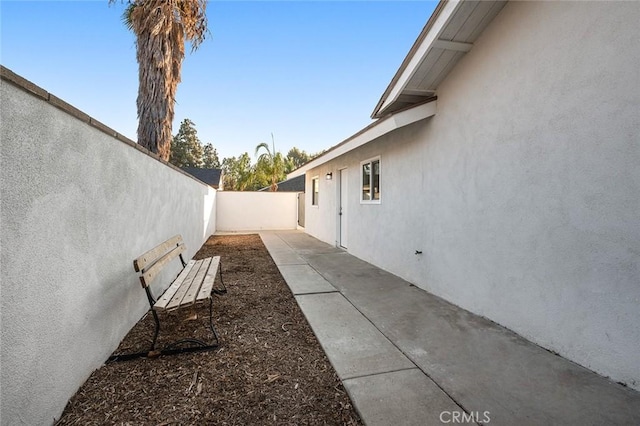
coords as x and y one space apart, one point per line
314 199
360 190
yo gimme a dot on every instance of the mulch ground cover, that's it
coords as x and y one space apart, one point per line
269 369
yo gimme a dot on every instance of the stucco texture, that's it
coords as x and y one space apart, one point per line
77 207
522 191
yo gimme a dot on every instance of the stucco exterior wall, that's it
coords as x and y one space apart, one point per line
77 206
255 211
522 191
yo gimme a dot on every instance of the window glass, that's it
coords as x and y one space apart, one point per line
376 180
370 173
366 181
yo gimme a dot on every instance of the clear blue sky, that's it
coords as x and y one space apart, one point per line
310 72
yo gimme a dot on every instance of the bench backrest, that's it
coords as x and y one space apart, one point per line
152 262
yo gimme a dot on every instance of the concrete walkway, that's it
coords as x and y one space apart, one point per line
407 357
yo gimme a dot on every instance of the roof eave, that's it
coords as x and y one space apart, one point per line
449 35
371 132
377 113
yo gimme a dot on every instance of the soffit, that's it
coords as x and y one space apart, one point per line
447 36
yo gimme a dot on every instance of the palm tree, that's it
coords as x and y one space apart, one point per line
161 28
272 163
238 173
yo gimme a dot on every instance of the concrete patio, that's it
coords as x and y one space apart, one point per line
408 357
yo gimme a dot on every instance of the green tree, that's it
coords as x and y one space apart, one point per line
186 150
261 174
210 159
271 164
297 158
161 28
238 173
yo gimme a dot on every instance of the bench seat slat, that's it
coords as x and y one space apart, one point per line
194 288
164 300
176 300
209 279
149 257
150 274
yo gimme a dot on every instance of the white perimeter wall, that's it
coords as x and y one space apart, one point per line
77 206
255 211
523 191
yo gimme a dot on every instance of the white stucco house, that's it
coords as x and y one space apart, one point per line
502 174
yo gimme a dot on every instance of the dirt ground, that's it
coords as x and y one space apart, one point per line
269 368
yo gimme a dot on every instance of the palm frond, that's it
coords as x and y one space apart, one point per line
265 146
126 16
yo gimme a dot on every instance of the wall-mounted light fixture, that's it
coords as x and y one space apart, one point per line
329 176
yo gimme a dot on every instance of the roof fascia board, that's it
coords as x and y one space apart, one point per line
371 132
411 115
431 34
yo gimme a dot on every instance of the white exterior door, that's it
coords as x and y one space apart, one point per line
342 209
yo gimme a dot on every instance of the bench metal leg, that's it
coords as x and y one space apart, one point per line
194 345
157 330
213 330
223 290
149 353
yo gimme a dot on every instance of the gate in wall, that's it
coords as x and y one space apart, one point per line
301 209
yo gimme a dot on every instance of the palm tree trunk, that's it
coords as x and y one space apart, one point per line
160 50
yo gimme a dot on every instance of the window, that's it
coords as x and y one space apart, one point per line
370 171
315 182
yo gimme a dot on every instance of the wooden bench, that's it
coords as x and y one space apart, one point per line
195 283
